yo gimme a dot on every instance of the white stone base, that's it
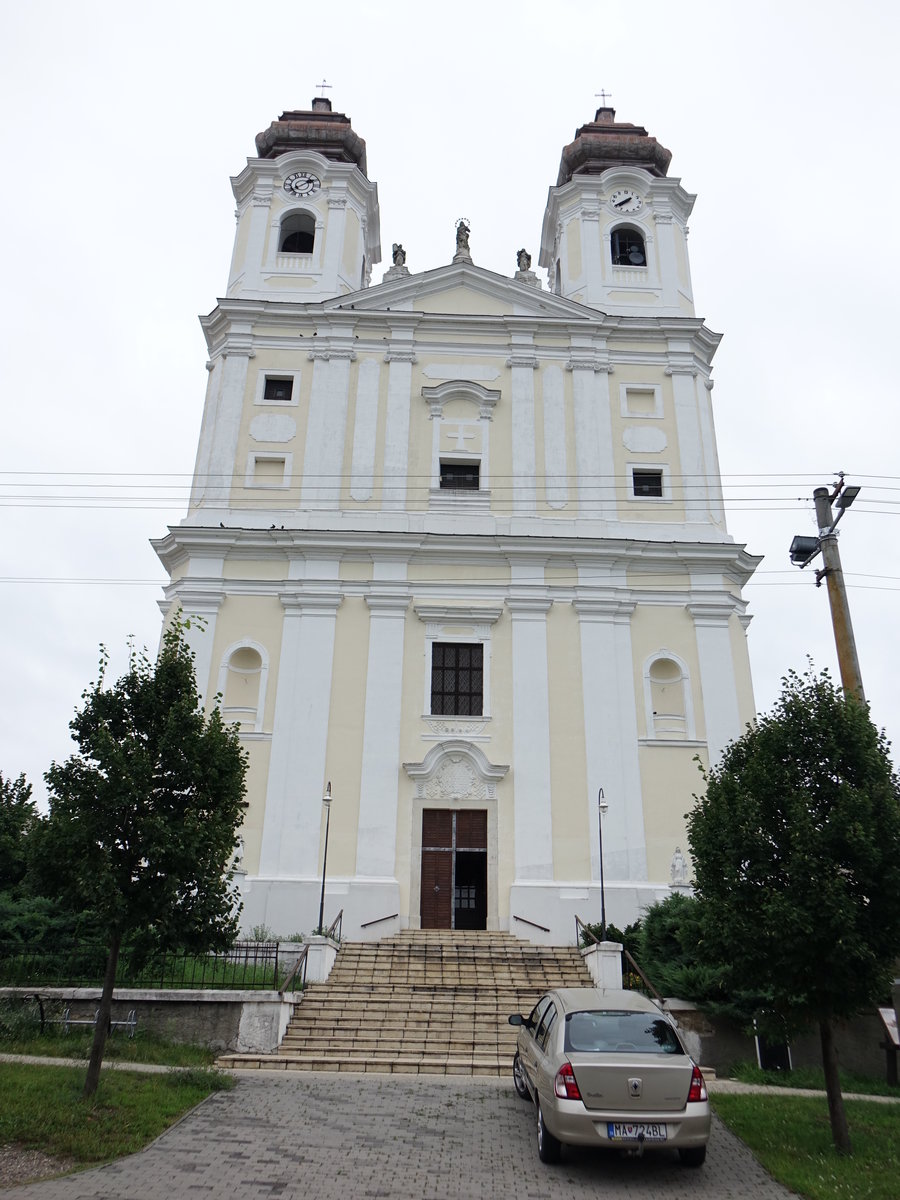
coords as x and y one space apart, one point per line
289 906
555 906
538 911
604 961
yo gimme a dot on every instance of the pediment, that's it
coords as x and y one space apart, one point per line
462 289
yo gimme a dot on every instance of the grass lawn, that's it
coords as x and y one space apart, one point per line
144 1047
41 1108
791 1137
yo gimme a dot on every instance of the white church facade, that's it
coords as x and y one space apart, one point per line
459 544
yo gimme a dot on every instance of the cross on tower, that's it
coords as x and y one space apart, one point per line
323 85
603 96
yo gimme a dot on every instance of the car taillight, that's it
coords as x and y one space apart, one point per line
698 1087
565 1084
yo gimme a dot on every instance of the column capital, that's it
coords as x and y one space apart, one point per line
388 604
528 607
716 610
198 600
298 604
603 609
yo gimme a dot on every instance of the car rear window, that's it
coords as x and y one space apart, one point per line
620 1032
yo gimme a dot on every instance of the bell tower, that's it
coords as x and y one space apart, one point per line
307 215
615 228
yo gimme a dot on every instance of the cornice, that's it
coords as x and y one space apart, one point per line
474 614
721 557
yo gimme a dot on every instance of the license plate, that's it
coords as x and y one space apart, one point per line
628 1132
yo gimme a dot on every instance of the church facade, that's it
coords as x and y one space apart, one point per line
459 546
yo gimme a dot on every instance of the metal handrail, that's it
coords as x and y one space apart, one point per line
378 920
581 930
336 924
298 967
533 924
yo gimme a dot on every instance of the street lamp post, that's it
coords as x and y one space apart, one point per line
602 806
326 800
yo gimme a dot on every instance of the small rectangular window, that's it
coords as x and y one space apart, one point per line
278 390
647 483
460 475
457 679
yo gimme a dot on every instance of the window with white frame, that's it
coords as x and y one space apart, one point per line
647 482
627 247
461 411
297 234
278 388
457 679
457 663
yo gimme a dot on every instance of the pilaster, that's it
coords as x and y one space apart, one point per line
299 735
610 735
718 682
377 833
523 363
531 737
365 428
323 460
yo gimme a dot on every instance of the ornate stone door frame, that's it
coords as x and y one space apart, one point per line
454 775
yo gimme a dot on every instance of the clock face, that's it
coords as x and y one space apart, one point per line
302 183
625 200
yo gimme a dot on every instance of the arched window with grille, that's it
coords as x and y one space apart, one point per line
627 248
297 234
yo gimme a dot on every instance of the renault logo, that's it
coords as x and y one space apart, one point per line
634 1087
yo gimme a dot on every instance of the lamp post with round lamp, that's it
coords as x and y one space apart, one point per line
602 806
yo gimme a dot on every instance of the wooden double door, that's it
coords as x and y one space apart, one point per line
454 869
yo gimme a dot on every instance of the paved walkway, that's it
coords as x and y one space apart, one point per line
338 1136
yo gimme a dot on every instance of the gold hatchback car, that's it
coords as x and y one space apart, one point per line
607 1068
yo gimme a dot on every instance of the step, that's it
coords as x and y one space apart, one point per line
421 1001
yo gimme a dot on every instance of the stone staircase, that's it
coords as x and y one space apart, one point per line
421 1002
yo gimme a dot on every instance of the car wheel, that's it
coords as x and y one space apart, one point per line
519 1077
549 1147
692 1156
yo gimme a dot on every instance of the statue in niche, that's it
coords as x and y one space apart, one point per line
398 255
678 870
523 258
462 236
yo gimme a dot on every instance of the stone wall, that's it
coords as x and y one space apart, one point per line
718 1043
252 1022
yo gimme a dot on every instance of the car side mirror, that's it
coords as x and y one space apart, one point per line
517 1019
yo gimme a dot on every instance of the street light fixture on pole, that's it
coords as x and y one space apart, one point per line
602 806
804 550
326 800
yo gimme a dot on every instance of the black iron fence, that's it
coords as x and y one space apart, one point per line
246 965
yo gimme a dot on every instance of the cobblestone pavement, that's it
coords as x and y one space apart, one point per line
353 1137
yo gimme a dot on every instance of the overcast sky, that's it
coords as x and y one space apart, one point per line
121 124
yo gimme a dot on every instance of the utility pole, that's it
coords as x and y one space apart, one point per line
844 641
805 549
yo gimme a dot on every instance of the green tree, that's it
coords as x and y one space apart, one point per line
143 819
18 816
796 849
